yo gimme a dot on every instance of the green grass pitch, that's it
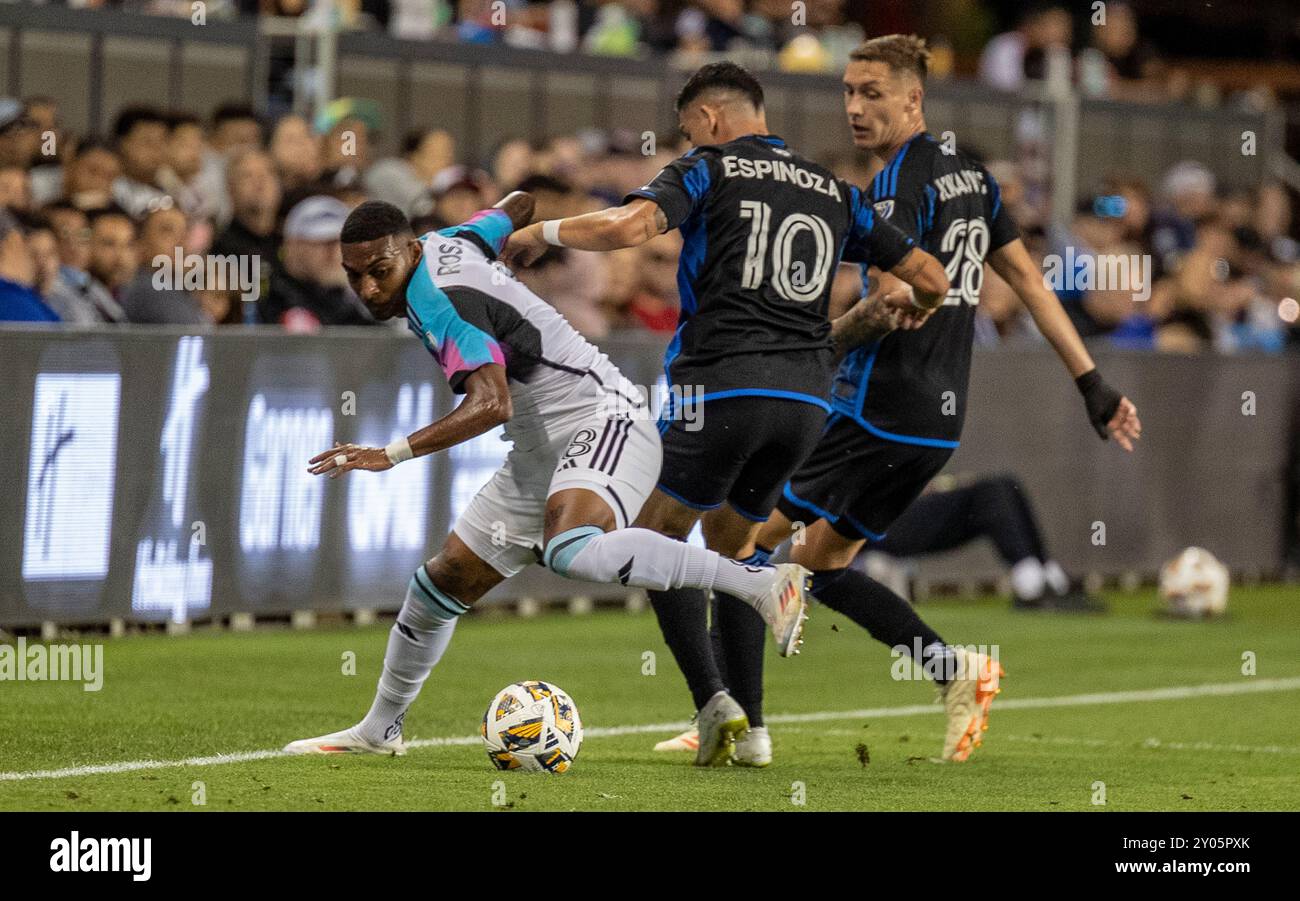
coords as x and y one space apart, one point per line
211 693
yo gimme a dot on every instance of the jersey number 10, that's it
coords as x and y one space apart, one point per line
795 280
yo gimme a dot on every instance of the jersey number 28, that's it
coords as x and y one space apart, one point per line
968 242
800 281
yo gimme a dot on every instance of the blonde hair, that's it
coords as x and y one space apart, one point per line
901 52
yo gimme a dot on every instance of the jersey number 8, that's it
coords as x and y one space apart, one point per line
790 277
968 242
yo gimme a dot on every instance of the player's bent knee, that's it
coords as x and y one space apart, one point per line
560 551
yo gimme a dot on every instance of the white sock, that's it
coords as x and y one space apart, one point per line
416 643
1028 579
1057 580
646 559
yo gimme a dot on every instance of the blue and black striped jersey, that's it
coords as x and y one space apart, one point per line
763 230
911 386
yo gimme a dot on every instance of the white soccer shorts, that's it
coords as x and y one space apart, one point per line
618 457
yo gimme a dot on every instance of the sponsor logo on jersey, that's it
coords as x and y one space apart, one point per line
885 208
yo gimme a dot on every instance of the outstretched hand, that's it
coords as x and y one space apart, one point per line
343 458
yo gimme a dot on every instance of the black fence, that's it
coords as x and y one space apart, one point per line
160 475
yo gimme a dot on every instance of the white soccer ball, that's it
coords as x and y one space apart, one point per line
532 726
1194 585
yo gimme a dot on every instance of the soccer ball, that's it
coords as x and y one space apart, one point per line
532 726
1194 585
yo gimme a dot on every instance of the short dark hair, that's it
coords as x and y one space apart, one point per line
177 119
92 143
722 76
372 220
231 112
132 116
105 212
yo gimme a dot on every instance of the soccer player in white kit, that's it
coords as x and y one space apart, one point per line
586 452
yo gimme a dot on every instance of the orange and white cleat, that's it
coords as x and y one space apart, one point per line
966 700
687 741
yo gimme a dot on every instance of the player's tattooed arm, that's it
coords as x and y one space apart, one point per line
611 229
866 321
926 276
486 406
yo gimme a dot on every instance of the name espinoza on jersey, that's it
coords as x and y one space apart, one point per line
777 170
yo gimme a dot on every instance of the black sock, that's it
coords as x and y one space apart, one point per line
741 635
684 620
888 618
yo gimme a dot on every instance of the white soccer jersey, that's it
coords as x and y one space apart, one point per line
470 310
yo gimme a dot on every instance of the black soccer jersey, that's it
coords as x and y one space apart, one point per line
763 230
910 386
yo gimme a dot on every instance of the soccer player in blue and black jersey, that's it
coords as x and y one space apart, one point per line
763 230
899 399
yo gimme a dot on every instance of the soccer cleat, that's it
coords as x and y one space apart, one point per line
753 748
966 700
345 742
721 720
687 741
789 600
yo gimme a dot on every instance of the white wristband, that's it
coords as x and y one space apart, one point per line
551 232
398 451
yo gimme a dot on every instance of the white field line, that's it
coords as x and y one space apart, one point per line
1154 744
1178 693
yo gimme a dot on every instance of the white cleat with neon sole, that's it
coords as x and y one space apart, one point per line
345 742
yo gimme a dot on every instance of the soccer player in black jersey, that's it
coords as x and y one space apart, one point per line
899 400
763 231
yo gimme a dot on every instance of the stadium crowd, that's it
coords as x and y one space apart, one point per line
88 220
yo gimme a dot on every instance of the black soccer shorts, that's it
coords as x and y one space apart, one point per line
857 482
742 450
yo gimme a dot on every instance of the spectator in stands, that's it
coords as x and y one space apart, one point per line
78 297
112 249
235 129
254 201
310 289
459 192
1187 197
89 176
512 161
19 301
20 138
1134 70
15 187
405 181
654 303
1011 58
192 174
156 294
140 139
296 152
